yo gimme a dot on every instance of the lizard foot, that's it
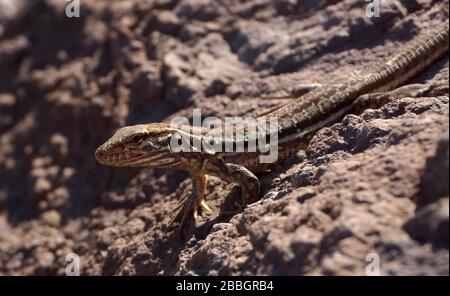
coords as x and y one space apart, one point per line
190 207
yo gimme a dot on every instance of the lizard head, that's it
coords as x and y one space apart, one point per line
138 145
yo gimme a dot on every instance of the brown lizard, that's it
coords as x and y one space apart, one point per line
150 144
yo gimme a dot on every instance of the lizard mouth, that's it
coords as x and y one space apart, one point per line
124 158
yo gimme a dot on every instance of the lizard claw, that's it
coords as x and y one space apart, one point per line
187 207
195 214
204 206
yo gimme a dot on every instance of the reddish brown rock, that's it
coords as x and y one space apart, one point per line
372 184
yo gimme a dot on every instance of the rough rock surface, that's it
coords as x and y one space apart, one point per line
374 183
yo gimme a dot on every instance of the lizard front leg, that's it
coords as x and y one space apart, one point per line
230 172
192 205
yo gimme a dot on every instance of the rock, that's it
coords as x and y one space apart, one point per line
372 183
58 197
52 218
8 9
430 224
60 143
435 179
42 186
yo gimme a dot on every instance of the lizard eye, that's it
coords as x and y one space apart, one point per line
138 139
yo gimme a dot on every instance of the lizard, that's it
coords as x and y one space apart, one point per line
298 120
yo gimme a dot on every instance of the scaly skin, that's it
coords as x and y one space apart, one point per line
149 144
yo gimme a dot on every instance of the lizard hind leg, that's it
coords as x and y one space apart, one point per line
412 90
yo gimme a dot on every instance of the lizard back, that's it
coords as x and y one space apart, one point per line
315 109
